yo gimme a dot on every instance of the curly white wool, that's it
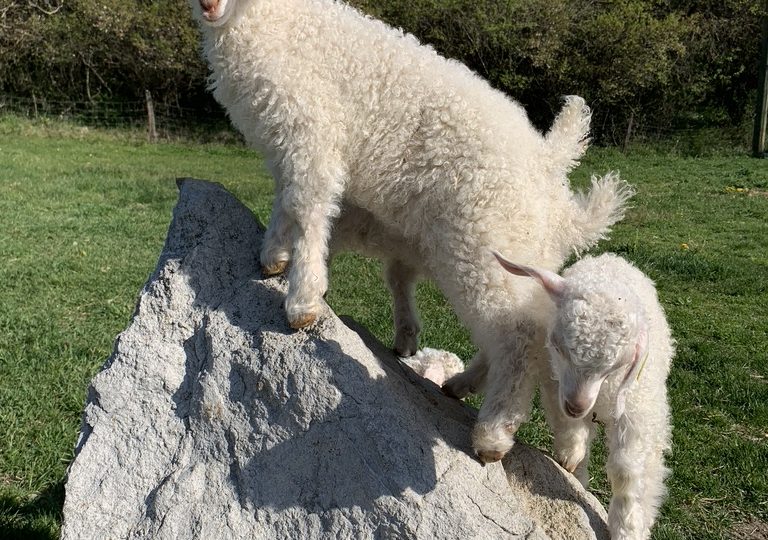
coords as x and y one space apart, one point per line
436 365
359 119
611 349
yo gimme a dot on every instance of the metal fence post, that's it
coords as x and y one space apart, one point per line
761 110
152 129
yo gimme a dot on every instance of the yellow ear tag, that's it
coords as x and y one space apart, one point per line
642 366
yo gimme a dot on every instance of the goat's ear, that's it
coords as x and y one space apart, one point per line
552 283
634 369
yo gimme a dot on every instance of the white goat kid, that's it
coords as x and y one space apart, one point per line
610 353
354 115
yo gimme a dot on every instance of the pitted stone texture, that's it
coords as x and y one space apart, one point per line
213 420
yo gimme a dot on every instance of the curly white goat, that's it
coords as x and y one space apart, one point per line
352 113
610 352
435 365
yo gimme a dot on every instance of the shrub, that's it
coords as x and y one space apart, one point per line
82 49
641 64
651 64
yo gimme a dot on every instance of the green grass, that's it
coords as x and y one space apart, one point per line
83 216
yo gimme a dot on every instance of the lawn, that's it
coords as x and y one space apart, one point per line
83 216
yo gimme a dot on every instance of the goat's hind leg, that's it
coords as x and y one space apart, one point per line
401 279
469 381
628 510
357 230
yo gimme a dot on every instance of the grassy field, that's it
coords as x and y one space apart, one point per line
83 216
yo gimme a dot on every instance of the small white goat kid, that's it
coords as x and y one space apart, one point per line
435 365
610 352
361 124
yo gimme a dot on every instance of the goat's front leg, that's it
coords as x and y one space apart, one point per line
401 279
311 198
573 440
627 519
276 248
573 436
509 392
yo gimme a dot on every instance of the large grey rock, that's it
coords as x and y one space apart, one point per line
213 420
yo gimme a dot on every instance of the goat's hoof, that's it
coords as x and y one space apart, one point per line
489 456
302 320
455 389
492 440
406 342
448 391
569 464
405 351
570 457
274 269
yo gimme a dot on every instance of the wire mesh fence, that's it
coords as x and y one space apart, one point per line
159 120
171 121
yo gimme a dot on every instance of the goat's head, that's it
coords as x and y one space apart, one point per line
213 12
595 333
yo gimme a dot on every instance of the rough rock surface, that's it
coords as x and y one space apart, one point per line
213 420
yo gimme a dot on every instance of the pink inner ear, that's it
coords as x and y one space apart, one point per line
552 283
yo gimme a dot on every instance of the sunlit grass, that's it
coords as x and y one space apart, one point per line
84 213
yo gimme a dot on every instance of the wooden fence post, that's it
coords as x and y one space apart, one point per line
152 128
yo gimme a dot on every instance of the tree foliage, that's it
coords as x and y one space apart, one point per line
97 49
645 62
650 63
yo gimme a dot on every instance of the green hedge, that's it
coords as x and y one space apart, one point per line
655 63
652 64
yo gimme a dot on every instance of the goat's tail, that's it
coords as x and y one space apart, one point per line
568 138
599 209
606 202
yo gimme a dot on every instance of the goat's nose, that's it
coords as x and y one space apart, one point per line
575 410
209 5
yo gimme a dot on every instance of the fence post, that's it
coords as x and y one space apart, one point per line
152 131
628 135
761 110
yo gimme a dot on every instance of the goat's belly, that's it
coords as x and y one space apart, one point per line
402 206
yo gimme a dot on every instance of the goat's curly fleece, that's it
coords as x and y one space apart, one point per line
351 112
606 307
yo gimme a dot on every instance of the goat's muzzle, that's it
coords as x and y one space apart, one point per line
209 7
574 410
